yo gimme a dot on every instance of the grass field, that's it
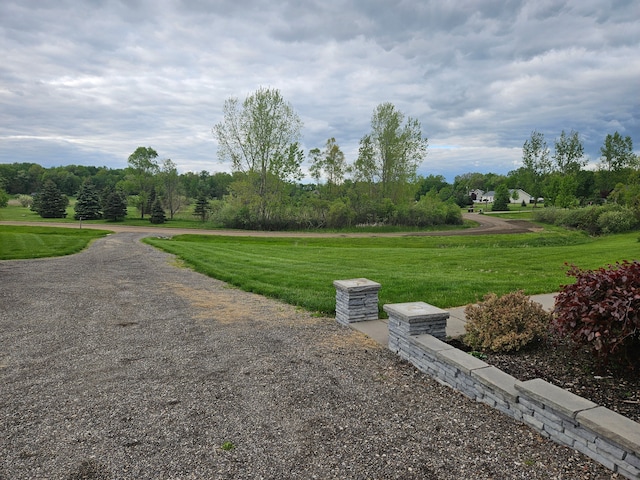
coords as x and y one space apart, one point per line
16 213
39 242
443 271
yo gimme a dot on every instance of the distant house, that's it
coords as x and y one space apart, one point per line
475 194
522 196
487 197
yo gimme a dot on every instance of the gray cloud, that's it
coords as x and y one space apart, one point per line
88 82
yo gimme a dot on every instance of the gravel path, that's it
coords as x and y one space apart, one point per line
116 363
487 225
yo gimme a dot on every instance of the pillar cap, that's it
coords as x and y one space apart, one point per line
356 284
415 311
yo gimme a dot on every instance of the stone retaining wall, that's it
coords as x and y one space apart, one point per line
603 435
568 419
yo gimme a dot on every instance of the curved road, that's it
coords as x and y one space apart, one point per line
488 225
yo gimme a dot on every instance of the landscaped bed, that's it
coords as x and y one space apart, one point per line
575 370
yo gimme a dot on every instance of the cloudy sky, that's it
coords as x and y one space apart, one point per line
87 82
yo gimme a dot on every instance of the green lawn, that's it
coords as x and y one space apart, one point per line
443 271
38 242
16 213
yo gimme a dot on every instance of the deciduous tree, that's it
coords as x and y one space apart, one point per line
569 153
4 198
536 164
391 153
260 138
501 199
170 181
329 163
141 176
617 152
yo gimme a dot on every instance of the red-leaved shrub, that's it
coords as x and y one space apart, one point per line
601 310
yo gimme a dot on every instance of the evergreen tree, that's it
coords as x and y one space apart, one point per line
202 207
157 212
51 203
114 205
88 206
151 200
501 199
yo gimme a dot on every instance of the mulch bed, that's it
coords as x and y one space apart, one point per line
575 370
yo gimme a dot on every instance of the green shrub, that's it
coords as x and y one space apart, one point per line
505 324
611 218
583 219
340 214
430 210
4 198
617 221
25 200
550 215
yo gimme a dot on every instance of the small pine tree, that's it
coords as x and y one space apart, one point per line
151 199
501 200
88 205
157 212
114 205
51 203
202 207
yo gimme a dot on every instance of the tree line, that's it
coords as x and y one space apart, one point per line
261 136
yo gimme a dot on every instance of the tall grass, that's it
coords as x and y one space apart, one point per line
443 271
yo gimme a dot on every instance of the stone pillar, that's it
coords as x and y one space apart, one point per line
415 318
356 300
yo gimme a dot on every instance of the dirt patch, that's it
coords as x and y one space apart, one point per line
223 307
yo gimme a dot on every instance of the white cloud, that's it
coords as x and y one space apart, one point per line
90 81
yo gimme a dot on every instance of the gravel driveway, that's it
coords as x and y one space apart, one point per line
117 363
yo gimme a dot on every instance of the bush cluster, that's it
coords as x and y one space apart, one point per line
601 310
25 200
505 324
339 213
610 218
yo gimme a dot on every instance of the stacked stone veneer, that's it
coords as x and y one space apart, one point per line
406 319
603 435
607 437
356 300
